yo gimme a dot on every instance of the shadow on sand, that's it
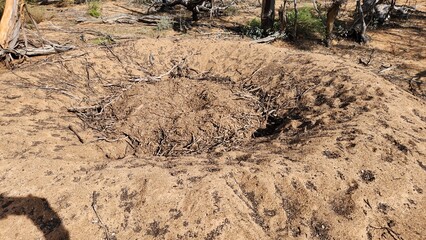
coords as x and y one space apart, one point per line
39 211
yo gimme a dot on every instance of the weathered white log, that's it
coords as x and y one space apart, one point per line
31 51
124 18
47 2
269 38
46 50
382 12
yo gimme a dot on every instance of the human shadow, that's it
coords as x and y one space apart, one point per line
39 211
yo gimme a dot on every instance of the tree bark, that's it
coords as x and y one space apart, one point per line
10 24
296 15
364 13
268 14
332 13
360 26
283 17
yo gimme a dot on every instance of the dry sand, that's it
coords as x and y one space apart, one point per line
183 137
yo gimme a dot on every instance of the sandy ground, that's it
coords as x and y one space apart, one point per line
195 136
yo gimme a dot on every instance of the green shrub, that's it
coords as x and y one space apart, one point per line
231 11
164 24
102 41
308 23
37 13
94 8
253 29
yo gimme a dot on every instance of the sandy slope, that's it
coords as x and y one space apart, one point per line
347 160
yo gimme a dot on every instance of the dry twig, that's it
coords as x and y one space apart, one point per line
108 235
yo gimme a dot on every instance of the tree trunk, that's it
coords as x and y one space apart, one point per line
296 15
267 16
282 16
10 24
332 13
360 26
364 13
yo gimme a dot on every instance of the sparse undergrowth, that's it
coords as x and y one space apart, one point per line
94 8
165 23
102 40
37 13
231 11
309 24
253 29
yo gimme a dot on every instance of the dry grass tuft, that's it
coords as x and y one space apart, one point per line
37 13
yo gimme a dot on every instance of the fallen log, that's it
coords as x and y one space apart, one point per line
383 12
269 38
46 50
32 51
124 18
47 2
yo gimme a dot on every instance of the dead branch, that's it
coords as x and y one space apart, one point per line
48 2
159 77
367 62
71 128
31 51
108 140
332 13
392 233
361 27
269 38
387 69
123 18
108 235
282 16
296 14
319 12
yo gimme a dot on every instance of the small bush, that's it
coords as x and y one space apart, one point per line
102 41
253 29
94 9
164 24
308 24
231 11
37 13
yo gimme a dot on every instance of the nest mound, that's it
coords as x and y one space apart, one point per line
185 116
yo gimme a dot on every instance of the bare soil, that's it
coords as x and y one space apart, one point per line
206 135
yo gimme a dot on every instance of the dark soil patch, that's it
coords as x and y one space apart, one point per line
320 229
367 176
343 205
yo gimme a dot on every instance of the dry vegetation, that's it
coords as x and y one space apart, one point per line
155 126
